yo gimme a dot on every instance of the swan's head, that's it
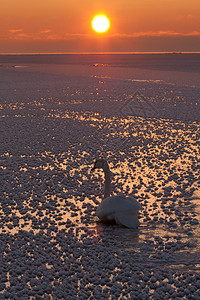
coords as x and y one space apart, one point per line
99 163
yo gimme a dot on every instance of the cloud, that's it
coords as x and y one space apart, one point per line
48 35
157 34
192 17
74 36
45 31
20 36
15 30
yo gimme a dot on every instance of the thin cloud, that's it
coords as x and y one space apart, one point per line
20 36
48 35
192 17
45 31
157 34
15 30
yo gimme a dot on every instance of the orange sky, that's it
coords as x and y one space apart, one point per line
42 26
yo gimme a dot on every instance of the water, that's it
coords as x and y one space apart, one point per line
55 119
184 62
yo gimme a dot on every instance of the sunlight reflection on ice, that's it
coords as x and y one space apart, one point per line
144 168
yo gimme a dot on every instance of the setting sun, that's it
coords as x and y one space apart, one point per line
100 23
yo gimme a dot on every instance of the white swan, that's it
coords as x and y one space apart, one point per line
119 209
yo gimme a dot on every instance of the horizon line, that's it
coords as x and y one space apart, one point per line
105 52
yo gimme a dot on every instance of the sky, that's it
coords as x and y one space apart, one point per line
62 26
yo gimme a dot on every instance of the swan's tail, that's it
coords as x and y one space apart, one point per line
127 218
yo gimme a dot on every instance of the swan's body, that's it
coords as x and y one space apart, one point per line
119 209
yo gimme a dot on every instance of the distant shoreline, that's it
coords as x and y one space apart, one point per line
98 53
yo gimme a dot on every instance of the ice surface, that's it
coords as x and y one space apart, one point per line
54 121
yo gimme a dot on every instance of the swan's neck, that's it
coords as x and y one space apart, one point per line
107 189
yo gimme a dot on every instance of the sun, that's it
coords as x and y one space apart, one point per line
100 23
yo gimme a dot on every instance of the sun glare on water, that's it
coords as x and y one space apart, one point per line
100 23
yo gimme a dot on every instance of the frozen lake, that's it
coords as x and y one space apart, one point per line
55 120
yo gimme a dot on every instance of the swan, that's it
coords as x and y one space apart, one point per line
118 209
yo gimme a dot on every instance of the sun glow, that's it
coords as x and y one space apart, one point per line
100 23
